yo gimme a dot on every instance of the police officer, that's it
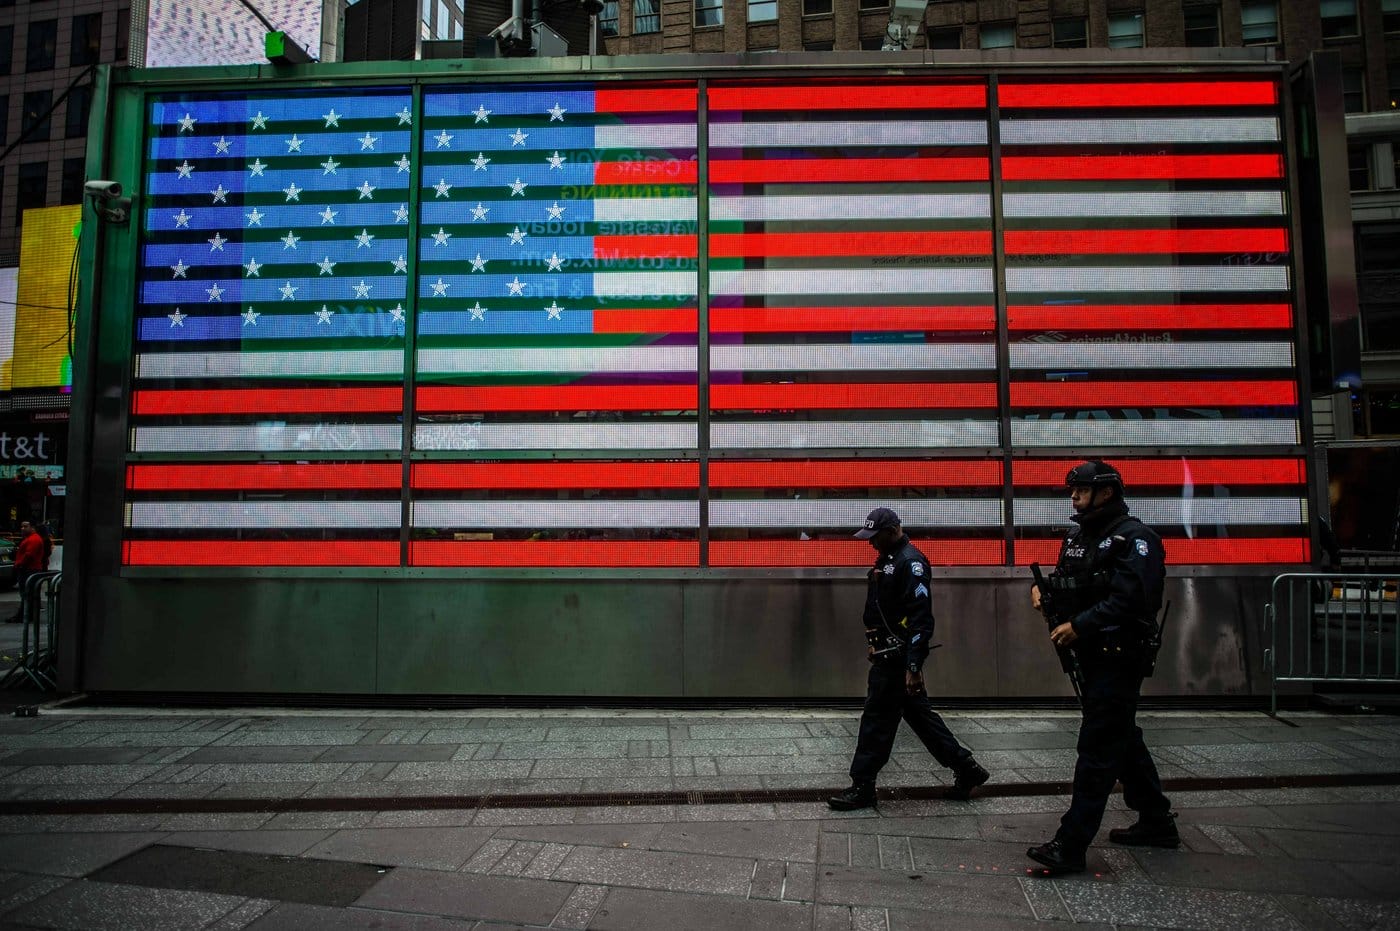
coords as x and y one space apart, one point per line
898 624
1103 601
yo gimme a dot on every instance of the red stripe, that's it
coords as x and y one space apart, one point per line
1224 93
671 171
848 553
645 321
855 473
1181 552
1150 316
646 99
894 96
644 247
259 476
453 476
1122 242
553 553
736 245
847 319
819 170
1169 472
440 400
269 401
853 396
1150 393
1131 167
260 553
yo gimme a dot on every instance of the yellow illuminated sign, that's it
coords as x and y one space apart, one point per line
42 314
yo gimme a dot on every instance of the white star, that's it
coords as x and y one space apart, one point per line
481 113
294 144
440 287
556 161
443 140
217 243
477 311
330 165
556 263
517 287
442 187
215 293
177 318
324 315
367 141
441 237
403 164
288 290
362 290
401 213
478 263
255 218
221 145
366 190
479 212
555 212
401 264
397 312
293 192
556 112
250 317
332 118
252 268
364 239
553 310
517 187
187 123
259 121
405 117
328 215
219 194
518 138
480 162
326 266
185 169
256 168
182 219
290 241
517 236
179 268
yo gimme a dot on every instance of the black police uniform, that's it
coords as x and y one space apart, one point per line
899 623
1108 583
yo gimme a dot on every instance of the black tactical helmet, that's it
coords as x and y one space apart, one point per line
1095 474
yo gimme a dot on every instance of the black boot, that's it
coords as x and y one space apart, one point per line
859 795
966 779
1057 858
1148 832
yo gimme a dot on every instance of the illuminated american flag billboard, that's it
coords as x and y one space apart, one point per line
667 324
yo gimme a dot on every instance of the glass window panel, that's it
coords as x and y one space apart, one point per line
1359 167
872 43
1203 26
709 13
87 39
1390 15
33 189
607 20
7 48
72 188
43 41
1259 22
824 45
119 52
873 4
35 120
1354 90
816 7
1338 18
1125 30
996 35
1071 33
950 38
4 119
76 117
763 11
646 16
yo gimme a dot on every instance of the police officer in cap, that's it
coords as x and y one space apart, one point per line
898 624
1103 601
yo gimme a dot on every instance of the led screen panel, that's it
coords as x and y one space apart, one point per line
225 32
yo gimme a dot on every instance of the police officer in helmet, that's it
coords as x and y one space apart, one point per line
898 621
1102 604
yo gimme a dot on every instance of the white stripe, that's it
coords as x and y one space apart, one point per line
645 136
1154 432
811 434
837 208
1055 206
268 437
257 515
532 515
967 512
632 209
851 281
1177 511
1151 355
562 361
844 357
1147 131
848 133
263 364
1159 278
555 436
633 284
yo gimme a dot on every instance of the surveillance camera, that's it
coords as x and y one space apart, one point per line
106 190
591 7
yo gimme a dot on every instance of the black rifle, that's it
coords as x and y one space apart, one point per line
1154 643
1068 661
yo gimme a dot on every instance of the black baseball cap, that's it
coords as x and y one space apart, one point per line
877 520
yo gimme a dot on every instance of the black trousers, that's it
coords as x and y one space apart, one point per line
886 703
1111 750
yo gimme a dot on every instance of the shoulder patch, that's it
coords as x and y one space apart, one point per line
1142 547
1106 543
916 568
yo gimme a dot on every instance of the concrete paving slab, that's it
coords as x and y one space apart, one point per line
634 836
424 848
292 917
282 843
672 872
1248 873
74 854
98 906
992 896
388 753
770 840
647 910
284 753
1151 906
466 895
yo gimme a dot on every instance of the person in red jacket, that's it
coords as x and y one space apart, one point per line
29 559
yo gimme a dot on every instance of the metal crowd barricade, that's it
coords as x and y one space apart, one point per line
35 664
1332 627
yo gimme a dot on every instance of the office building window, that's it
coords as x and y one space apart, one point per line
1392 75
4 120
1354 90
1203 26
1338 18
646 16
607 20
75 122
709 13
816 7
43 41
1125 30
123 34
823 46
72 190
1377 265
34 121
7 46
1259 22
33 190
996 35
950 38
872 43
87 40
1071 33
763 11
874 5
1359 167
1390 15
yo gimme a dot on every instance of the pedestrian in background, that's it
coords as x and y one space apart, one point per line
30 557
